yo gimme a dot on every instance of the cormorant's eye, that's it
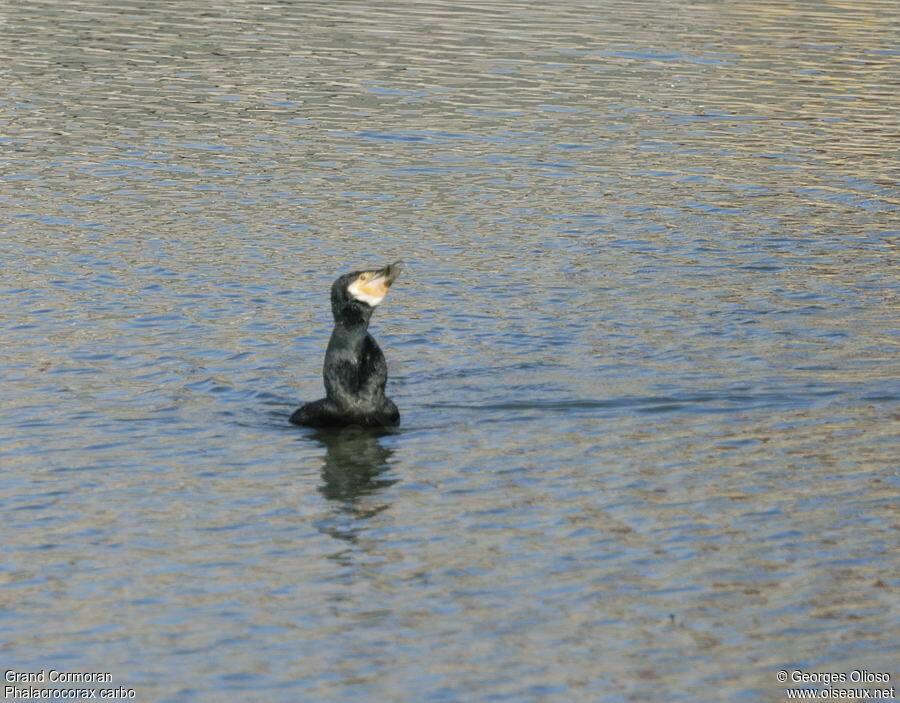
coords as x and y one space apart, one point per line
365 277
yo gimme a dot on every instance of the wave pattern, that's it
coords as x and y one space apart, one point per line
645 347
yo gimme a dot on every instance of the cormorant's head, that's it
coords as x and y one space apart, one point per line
361 291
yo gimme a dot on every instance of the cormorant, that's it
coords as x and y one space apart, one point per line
355 372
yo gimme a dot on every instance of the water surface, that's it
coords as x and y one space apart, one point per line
645 347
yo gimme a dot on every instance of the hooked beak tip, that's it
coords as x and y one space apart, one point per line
391 272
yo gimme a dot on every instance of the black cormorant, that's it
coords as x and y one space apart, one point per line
355 372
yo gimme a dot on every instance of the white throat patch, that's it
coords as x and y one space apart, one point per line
366 294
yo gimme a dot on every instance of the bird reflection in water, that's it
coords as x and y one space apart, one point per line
352 469
355 459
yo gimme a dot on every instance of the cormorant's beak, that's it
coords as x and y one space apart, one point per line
372 286
388 274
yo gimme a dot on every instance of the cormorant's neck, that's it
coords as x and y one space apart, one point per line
349 333
353 316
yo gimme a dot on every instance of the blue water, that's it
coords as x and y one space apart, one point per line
644 348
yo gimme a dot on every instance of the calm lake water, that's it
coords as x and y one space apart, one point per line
645 347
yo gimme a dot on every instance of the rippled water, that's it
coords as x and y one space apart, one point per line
645 347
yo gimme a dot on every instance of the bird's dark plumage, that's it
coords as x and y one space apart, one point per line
355 371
